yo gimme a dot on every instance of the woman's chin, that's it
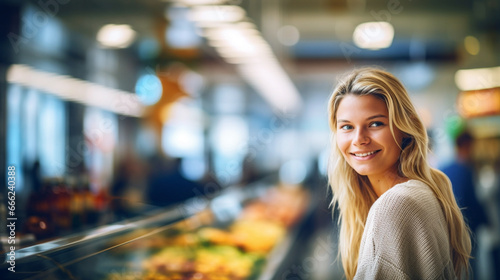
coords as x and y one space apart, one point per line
362 171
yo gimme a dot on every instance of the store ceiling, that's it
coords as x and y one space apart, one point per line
424 28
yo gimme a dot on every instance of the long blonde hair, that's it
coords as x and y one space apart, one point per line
352 192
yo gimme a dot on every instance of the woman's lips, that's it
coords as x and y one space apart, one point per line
365 155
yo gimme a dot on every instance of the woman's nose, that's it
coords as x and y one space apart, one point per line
361 137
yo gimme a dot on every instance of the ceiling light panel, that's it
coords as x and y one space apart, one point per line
479 78
116 36
210 14
373 35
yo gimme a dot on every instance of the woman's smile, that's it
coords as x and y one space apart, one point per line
365 155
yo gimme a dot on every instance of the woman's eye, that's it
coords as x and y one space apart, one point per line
376 124
346 127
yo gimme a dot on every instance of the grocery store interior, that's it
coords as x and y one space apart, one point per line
189 139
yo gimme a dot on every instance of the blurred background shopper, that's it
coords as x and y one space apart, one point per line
462 176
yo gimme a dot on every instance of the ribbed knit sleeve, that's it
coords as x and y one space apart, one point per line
405 236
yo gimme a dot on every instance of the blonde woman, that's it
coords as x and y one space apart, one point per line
399 218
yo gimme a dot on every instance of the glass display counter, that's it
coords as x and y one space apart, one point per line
242 233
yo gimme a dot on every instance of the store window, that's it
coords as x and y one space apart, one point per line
52 136
36 132
14 151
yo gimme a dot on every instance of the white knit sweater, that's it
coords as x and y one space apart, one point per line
405 236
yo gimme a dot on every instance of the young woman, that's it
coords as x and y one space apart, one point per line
399 218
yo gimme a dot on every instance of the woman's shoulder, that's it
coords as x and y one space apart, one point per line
408 198
407 209
408 190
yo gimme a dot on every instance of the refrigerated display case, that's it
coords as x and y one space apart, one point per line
240 233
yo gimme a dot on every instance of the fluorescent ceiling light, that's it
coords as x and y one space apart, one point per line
226 13
479 78
373 35
249 52
238 37
116 36
242 49
243 60
236 42
239 42
72 89
209 26
271 81
228 32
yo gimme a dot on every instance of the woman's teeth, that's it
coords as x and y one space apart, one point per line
365 154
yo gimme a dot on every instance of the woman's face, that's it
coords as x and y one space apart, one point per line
364 137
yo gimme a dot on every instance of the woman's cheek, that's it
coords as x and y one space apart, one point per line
341 144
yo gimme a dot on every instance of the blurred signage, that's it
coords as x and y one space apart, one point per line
478 103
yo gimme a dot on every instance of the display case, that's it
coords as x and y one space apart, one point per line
243 232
